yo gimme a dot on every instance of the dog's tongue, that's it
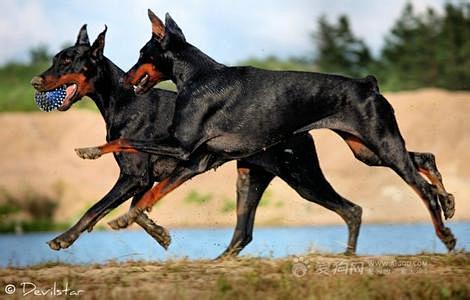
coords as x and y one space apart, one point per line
50 100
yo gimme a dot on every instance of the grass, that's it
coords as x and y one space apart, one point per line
266 199
32 226
17 94
29 210
194 197
444 277
228 205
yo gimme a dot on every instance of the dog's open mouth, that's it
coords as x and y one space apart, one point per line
141 86
60 98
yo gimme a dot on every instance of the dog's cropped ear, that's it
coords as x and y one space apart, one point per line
173 28
82 38
98 45
158 28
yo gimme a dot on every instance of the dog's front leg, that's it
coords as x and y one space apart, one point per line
157 232
132 146
125 187
182 173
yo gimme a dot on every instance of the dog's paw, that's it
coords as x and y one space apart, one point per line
126 219
449 207
63 241
159 233
350 251
88 153
448 239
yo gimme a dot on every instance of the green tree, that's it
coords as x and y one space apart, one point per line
428 49
454 47
339 50
401 50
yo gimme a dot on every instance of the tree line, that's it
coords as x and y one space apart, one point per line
427 49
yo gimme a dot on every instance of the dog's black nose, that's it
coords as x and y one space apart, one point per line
36 82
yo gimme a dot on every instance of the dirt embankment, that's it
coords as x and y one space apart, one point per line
37 153
311 276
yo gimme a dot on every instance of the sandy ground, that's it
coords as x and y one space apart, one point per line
37 153
313 276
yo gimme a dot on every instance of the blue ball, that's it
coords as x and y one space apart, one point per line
50 100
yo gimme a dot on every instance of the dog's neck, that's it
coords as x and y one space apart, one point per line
109 93
115 101
188 63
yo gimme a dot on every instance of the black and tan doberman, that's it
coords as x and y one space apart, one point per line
85 71
236 112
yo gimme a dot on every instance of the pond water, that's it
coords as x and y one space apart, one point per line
207 243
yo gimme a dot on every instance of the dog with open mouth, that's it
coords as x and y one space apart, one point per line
58 90
83 70
235 112
75 73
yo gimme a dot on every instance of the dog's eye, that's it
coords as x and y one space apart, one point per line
66 61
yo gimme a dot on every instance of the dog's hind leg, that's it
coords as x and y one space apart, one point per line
252 181
379 132
322 193
301 170
424 163
401 163
295 161
124 188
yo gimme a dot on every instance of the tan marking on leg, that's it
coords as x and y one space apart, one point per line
119 145
156 193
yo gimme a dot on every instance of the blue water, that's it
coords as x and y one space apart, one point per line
100 247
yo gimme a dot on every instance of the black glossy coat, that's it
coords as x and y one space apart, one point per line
149 117
235 112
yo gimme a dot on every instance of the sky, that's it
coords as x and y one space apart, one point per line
228 30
